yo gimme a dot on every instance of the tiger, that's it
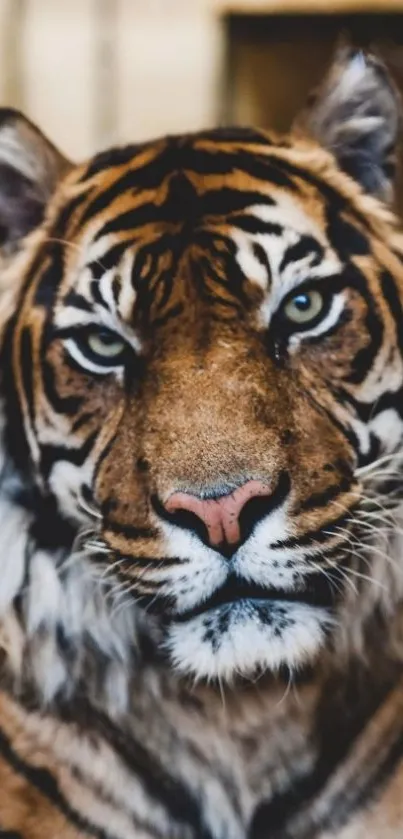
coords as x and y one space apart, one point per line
201 561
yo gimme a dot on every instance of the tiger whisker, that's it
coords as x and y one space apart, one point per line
353 587
363 470
87 508
332 582
371 580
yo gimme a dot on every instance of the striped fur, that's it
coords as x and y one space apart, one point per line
154 685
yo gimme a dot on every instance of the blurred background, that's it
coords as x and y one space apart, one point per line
96 72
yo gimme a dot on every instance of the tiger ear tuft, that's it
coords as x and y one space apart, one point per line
356 114
30 168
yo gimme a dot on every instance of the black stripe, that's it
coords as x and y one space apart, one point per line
326 552
384 771
348 433
84 419
341 718
306 246
109 260
104 454
239 134
128 530
77 456
153 562
392 297
232 280
338 202
33 270
179 157
15 438
73 298
103 200
173 312
323 534
26 369
69 405
347 803
343 320
253 224
124 155
148 213
160 290
144 826
51 264
262 257
69 214
43 781
112 158
345 237
374 326
321 499
226 201
132 219
174 795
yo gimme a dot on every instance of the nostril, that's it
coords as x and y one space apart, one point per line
181 518
252 512
222 522
260 505
206 511
189 521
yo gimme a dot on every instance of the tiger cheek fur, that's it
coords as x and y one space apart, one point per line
201 389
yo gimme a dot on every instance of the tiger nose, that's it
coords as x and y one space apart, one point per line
220 515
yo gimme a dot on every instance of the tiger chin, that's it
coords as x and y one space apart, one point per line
201 363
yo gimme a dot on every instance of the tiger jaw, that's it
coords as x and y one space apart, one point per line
244 629
275 602
246 638
218 619
271 603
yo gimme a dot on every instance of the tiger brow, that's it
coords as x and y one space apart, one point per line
261 256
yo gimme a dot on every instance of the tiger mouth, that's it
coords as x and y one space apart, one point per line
318 592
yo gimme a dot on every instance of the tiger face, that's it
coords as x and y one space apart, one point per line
201 360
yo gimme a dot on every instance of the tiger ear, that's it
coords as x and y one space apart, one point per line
356 114
30 167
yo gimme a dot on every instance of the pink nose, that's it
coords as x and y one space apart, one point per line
219 515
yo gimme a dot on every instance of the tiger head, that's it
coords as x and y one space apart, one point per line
202 371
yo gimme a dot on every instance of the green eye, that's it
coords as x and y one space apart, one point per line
105 344
304 307
98 350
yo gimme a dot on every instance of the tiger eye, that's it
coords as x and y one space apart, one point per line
304 307
105 343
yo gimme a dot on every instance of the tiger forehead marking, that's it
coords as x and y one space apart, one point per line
275 242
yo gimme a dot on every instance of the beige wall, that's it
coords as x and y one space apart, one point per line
96 72
92 72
